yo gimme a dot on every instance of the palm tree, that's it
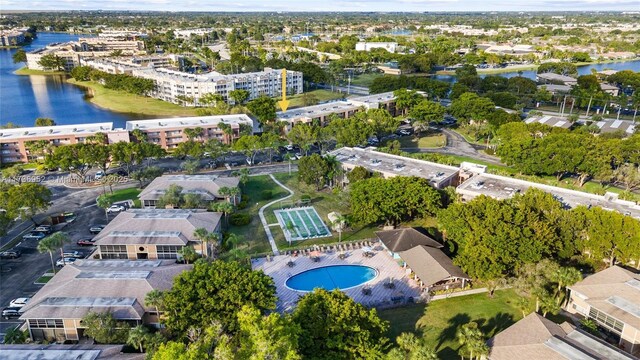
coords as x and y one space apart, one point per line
53 243
137 337
104 203
339 224
229 192
224 207
565 276
154 298
206 238
470 336
188 254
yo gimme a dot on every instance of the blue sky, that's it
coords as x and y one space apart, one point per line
325 5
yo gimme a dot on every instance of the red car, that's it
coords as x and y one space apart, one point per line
86 242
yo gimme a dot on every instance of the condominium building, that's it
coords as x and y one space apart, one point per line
119 287
12 37
368 46
342 109
168 133
611 298
15 143
175 86
128 64
74 52
155 233
206 186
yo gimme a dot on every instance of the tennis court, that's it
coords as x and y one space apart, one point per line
301 223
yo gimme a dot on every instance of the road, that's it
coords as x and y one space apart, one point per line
457 145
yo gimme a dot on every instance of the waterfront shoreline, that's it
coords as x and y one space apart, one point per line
129 104
25 71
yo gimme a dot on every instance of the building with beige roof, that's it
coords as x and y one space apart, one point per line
536 337
155 234
433 268
611 298
117 286
207 186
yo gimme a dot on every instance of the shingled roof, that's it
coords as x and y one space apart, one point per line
403 239
536 337
431 265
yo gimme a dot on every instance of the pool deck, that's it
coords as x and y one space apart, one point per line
380 296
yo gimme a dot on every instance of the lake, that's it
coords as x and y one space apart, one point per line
25 98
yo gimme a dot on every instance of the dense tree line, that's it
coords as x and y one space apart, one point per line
496 238
541 150
122 82
20 200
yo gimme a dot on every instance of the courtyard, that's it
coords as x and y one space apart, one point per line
374 293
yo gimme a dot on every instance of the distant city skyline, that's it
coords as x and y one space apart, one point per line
327 5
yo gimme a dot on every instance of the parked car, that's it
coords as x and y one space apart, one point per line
122 173
249 161
19 302
86 242
115 209
44 229
37 235
99 175
73 254
276 158
11 254
11 313
96 228
289 147
64 261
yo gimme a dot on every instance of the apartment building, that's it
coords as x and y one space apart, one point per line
12 37
116 286
343 109
15 143
168 133
368 46
173 86
126 65
611 298
141 234
74 52
207 186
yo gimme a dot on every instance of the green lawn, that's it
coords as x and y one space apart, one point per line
253 234
120 101
429 141
439 320
321 95
26 71
365 79
44 279
125 194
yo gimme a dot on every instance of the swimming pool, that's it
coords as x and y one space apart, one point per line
332 277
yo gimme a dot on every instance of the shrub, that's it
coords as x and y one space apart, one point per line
239 219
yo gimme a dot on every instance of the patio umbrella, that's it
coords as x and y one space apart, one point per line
314 254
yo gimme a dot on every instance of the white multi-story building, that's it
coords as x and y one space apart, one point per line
368 46
171 85
12 37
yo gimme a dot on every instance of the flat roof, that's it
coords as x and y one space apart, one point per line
374 98
554 76
57 130
310 112
502 187
555 121
193 121
393 164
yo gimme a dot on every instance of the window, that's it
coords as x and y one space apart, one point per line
46 324
168 251
113 251
605 320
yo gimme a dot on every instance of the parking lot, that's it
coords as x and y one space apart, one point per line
17 276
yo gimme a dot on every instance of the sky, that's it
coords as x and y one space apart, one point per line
325 5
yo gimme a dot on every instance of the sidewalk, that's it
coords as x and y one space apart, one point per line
272 241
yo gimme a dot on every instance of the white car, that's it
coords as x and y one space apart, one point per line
115 209
99 175
64 261
19 302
